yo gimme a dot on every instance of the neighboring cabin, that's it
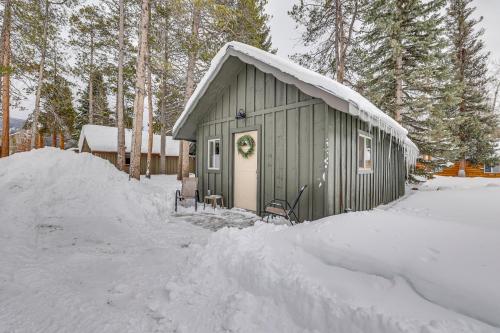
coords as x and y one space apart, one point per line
101 141
474 170
300 127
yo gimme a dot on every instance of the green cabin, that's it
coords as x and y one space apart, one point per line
264 126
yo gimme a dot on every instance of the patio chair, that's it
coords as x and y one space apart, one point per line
282 208
189 190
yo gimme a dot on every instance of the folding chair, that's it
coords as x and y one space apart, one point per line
282 208
189 190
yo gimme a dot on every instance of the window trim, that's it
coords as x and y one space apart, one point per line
365 136
492 167
208 140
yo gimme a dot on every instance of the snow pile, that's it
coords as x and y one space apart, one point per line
82 248
359 106
51 181
390 270
470 201
104 139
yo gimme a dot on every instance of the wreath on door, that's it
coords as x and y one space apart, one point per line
246 146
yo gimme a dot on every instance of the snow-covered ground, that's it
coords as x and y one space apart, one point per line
82 249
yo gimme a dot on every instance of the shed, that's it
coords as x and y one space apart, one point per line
305 129
102 141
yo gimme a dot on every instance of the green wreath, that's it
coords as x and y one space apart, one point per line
243 142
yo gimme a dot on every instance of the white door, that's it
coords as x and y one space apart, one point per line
245 174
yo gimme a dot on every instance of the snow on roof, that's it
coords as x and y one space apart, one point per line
104 139
358 105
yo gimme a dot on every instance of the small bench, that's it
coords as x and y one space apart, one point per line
212 199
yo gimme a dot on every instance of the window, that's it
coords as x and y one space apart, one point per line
127 159
492 168
364 152
214 154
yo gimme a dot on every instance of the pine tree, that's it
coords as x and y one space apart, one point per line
243 21
329 33
88 37
193 56
170 46
120 99
5 71
120 19
475 122
43 50
59 115
403 69
135 155
102 114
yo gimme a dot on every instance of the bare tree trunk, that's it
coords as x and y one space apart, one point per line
6 78
461 168
61 140
339 41
150 116
399 87
54 139
1 54
495 98
120 98
91 80
163 96
36 112
135 156
163 131
183 167
40 143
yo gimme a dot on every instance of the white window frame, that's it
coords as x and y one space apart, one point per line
209 142
492 169
365 137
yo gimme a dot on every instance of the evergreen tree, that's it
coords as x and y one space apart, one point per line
135 154
59 114
5 64
329 35
120 21
475 122
102 113
88 37
243 21
403 69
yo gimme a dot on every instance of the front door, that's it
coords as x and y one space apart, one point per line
245 171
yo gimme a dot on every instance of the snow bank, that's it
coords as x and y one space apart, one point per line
469 201
61 182
104 139
377 271
82 248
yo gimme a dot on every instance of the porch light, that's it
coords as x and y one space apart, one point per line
241 114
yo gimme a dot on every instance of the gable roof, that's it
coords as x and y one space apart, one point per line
332 92
104 139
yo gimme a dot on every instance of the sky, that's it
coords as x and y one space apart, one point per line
287 39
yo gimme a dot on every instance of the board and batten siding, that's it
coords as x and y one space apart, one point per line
301 141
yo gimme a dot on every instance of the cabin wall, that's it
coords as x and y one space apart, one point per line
301 141
471 170
353 190
171 162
